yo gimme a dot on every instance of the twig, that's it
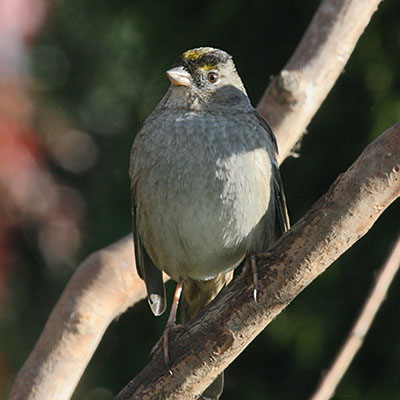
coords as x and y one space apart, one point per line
356 337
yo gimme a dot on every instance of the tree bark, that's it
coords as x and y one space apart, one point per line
103 287
295 95
106 283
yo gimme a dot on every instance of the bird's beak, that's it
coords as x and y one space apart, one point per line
179 77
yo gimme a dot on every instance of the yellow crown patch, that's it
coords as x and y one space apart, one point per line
196 55
193 55
208 67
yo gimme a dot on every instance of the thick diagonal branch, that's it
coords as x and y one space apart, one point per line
335 222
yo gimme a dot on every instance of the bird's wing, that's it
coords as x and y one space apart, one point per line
151 275
280 200
279 193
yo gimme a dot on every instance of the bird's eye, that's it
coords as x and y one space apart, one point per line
213 77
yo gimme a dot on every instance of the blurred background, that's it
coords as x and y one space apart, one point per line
76 81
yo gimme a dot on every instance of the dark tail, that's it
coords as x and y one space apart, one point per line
197 294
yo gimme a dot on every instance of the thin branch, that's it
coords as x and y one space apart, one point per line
48 372
220 333
356 337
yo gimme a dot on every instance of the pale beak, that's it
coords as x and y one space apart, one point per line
179 77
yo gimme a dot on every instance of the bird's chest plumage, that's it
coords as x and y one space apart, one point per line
202 190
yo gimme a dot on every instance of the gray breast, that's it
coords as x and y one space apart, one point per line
203 191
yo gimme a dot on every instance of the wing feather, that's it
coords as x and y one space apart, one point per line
279 193
151 275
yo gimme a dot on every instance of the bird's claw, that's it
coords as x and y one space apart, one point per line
251 264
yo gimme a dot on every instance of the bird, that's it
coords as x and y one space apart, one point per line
207 195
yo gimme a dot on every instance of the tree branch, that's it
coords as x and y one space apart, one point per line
356 337
295 95
103 287
72 333
219 334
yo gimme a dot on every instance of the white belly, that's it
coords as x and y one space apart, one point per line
208 224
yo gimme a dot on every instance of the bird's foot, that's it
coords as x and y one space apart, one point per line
171 324
163 343
251 264
165 338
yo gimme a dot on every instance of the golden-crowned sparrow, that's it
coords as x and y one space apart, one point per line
206 189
